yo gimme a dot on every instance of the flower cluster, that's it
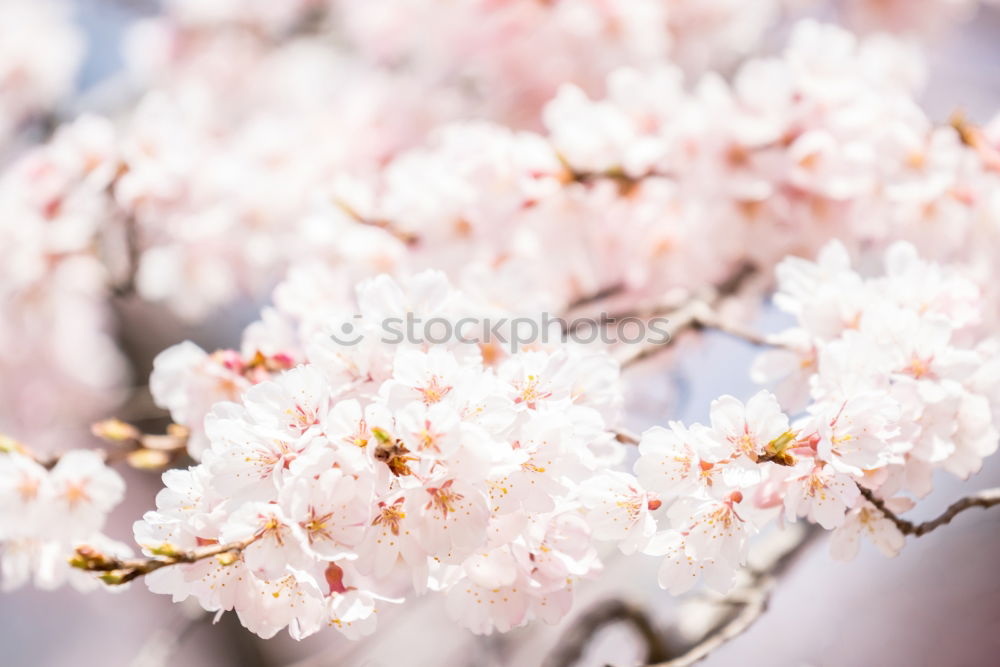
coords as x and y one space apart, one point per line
886 381
455 161
514 55
234 137
900 376
708 474
45 513
188 382
796 150
59 361
213 182
377 469
824 142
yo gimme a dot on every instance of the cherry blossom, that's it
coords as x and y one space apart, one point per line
865 519
506 48
391 170
421 471
48 512
887 375
58 354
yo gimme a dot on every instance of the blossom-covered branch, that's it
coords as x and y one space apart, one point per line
116 571
751 602
542 157
984 499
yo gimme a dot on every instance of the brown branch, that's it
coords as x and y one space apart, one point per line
973 137
626 437
120 235
744 606
115 571
678 321
594 297
750 603
754 603
737 155
713 321
126 285
626 183
387 226
693 313
573 642
984 499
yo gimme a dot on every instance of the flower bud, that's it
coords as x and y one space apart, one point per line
115 430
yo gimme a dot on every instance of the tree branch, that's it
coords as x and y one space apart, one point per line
984 499
387 226
696 312
116 571
751 602
126 285
710 320
973 137
743 607
626 437
594 297
573 642
753 605
626 184
680 320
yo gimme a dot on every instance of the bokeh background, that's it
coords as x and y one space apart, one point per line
938 603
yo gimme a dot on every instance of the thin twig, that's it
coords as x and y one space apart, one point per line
973 137
713 321
680 320
594 297
626 182
117 571
693 313
626 437
385 225
984 499
627 185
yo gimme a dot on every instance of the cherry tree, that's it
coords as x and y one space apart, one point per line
562 169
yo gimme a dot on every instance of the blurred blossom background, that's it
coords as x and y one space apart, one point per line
249 107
